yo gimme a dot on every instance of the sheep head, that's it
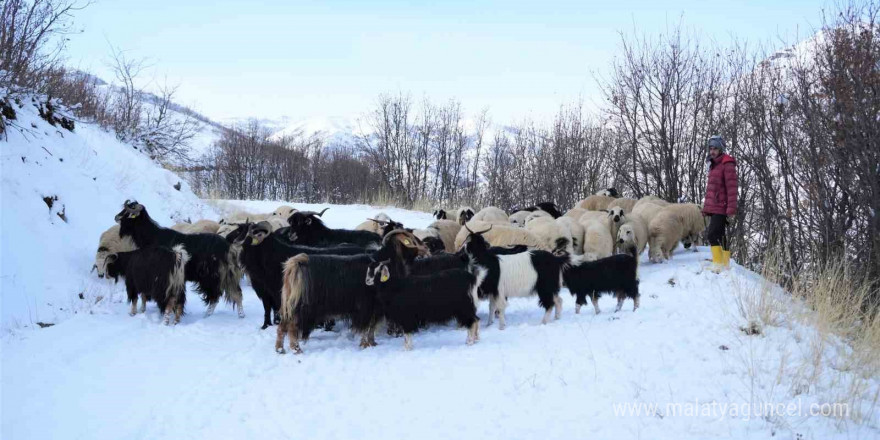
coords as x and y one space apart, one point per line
616 214
465 216
440 214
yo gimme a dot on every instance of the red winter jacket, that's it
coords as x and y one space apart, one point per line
721 187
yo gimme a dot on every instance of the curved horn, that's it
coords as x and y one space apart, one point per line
322 211
487 230
468 229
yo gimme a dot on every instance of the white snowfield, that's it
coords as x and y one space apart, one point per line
101 374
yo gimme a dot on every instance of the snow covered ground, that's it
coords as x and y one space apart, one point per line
108 375
99 373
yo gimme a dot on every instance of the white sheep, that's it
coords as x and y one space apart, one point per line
372 225
111 243
204 227
493 215
240 217
598 242
626 204
651 199
199 227
632 236
647 210
283 212
500 235
277 222
183 227
595 203
692 220
537 214
575 213
664 233
443 230
576 230
462 215
555 236
518 218
616 217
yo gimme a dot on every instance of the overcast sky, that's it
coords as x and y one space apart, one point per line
307 59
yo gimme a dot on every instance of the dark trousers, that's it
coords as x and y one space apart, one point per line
715 232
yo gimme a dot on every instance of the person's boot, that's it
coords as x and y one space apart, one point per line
717 259
725 258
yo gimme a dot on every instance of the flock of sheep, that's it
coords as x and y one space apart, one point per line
595 227
307 275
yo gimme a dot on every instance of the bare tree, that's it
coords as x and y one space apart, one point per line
32 38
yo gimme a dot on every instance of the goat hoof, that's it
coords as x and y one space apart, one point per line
280 350
264 327
131 314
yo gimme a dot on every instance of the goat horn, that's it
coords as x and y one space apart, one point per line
487 230
320 214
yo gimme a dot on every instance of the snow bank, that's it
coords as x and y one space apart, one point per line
45 261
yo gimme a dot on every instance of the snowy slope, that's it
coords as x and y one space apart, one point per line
333 131
45 260
112 376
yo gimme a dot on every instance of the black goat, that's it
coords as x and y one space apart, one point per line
394 250
212 264
615 274
156 273
412 300
306 228
516 275
317 287
262 255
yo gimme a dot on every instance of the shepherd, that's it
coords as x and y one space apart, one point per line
720 204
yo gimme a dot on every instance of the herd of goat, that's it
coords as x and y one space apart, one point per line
307 275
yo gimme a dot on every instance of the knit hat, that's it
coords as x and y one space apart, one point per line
716 142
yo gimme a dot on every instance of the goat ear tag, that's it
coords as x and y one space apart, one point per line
407 242
385 275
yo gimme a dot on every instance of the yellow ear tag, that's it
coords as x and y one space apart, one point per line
406 242
383 277
254 241
132 215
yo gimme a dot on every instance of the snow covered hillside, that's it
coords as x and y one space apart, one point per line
86 175
583 376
